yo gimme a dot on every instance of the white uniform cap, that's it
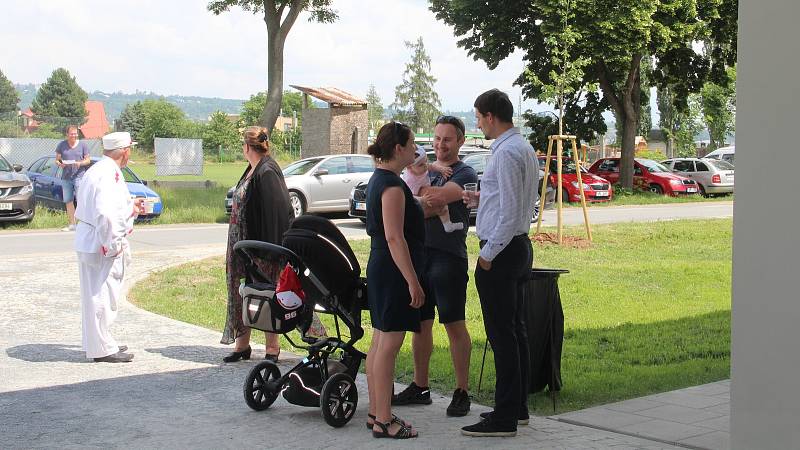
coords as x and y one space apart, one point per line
119 139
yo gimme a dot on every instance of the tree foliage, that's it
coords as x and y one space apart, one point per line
542 126
47 131
60 97
680 126
161 119
279 17
10 129
220 131
718 103
416 99
614 35
290 103
374 108
132 120
9 99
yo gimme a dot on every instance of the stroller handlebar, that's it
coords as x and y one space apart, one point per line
241 247
300 268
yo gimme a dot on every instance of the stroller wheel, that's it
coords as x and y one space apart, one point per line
338 399
258 393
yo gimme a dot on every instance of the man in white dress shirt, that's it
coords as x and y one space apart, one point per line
105 215
508 194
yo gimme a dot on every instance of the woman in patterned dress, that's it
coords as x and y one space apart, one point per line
261 211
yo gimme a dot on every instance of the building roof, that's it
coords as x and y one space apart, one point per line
332 96
96 123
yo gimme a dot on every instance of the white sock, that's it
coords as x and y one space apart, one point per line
449 227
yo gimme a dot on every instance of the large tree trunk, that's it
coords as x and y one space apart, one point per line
628 151
272 108
627 105
276 37
670 145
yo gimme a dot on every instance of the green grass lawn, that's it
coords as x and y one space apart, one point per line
647 310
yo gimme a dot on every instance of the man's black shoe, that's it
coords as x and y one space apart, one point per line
489 428
459 406
521 420
413 395
116 358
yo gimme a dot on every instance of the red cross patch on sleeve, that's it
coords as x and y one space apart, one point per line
116 177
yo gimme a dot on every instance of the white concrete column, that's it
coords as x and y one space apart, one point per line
765 390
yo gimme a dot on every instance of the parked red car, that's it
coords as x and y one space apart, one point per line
647 175
595 188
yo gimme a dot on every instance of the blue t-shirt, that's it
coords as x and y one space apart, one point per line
78 153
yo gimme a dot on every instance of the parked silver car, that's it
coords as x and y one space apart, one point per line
17 203
322 183
713 176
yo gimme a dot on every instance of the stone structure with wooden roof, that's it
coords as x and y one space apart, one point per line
342 127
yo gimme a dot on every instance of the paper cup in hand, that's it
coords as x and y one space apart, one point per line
148 206
471 189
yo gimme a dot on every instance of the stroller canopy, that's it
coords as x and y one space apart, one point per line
324 249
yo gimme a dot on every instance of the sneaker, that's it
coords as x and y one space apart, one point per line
489 428
459 406
521 420
413 395
70 227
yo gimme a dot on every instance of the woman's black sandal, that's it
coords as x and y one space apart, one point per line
394 419
403 432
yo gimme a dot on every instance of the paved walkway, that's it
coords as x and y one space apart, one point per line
176 394
697 416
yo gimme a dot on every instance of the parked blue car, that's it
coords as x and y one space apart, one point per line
46 178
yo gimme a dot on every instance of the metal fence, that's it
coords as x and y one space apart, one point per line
178 156
25 151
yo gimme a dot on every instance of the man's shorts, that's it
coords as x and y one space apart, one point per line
70 187
444 281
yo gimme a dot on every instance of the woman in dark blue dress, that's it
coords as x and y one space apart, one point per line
395 223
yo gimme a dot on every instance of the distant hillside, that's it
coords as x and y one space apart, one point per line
196 108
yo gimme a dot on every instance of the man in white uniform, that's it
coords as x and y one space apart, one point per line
105 216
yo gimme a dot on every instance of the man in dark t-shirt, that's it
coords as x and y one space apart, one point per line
445 277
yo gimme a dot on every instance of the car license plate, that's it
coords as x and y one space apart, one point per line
601 194
691 190
5 206
360 206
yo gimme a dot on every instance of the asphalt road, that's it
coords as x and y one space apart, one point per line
159 237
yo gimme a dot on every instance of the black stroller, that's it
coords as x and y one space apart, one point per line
330 276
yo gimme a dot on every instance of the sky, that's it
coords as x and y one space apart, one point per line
178 47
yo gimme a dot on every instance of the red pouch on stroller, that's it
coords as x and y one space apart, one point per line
274 309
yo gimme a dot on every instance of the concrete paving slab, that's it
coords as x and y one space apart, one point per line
724 408
716 440
721 423
711 389
603 418
670 417
664 430
688 399
633 405
680 414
